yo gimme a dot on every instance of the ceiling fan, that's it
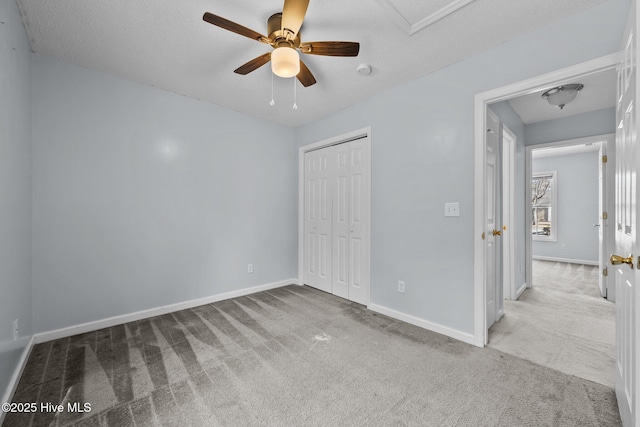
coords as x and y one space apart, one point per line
284 36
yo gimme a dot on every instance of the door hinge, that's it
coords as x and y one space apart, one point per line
605 272
604 215
482 236
604 159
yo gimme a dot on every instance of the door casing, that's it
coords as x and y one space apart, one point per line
525 87
610 141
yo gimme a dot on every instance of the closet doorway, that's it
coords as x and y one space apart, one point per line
334 247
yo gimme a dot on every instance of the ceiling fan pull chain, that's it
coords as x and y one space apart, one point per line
272 102
295 105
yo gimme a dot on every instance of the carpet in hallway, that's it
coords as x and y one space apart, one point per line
566 277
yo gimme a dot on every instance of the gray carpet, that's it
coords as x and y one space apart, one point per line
297 356
565 277
562 323
574 334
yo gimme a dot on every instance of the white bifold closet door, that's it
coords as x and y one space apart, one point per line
337 212
318 219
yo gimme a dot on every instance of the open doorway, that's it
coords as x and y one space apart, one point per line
569 202
550 325
562 319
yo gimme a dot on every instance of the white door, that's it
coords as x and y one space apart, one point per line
359 219
318 219
508 213
627 246
337 194
492 229
341 196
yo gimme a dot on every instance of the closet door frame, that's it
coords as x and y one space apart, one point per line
364 133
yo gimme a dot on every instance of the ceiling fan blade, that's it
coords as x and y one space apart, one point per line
331 48
293 13
254 64
221 22
305 77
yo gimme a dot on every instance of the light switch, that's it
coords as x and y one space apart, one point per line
452 209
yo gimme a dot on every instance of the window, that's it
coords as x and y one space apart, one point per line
543 206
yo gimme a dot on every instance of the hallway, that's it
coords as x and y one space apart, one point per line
561 323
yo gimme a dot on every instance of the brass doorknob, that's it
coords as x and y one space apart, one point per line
496 233
617 259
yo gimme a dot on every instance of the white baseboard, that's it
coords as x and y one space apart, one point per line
520 291
139 315
568 260
425 324
15 378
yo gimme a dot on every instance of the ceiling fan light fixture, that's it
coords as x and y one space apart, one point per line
562 95
285 62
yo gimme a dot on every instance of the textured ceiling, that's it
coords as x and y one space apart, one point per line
599 92
165 43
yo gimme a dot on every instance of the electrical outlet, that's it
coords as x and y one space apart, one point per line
250 268
563 246
16 332
401 286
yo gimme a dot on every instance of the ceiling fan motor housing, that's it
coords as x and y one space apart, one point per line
279 37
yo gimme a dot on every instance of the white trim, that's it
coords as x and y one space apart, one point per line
543 153
479 221
550 80
17 373
553 236
438 15
144 314
610 208
481 100
568 260
520 291
425 324
448 9
606 137
528 218
345 137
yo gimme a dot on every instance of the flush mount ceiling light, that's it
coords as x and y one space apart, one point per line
285 62
562 95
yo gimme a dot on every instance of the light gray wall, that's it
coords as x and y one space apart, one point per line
597 122
512 120
422 157
144 198
15 189
577 187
